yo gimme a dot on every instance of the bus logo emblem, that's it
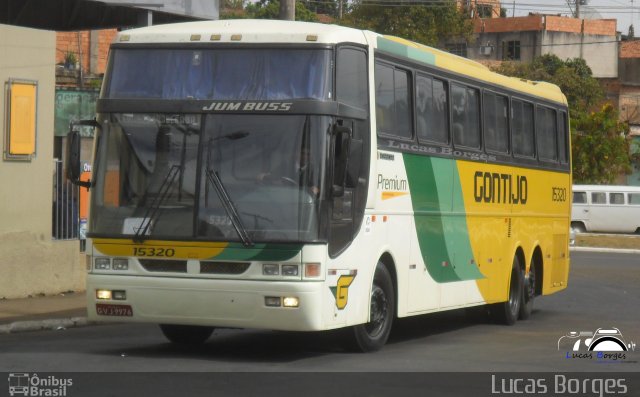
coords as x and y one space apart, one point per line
341 290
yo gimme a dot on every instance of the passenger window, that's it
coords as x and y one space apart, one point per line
634 198
546 125
431 110
616 198
579 197
496 127
598 198
393 101
465 116
563 139
522 128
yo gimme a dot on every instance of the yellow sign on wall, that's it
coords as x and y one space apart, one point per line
21 139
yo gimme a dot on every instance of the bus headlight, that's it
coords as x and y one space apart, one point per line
102 264
270 269
290 270
120 264
290 301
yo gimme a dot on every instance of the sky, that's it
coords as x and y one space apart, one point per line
625 11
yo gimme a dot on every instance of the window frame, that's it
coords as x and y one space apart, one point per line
484 122
446 83
411 98
546 109
534 156
466 87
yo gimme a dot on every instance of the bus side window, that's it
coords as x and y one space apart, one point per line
616 198
522 124
598 198
393 101
465 116
431 110
579 197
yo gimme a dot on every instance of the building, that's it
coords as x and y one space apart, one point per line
524 38
629 97
31 261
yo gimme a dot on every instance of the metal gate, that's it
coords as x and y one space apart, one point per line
66 199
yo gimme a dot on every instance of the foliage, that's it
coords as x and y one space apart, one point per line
573 76
426 25
600 142
600 147
328 7
270 9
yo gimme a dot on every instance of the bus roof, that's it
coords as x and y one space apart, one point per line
276 31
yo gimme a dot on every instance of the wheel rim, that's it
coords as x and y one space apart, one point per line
514 296
379 310
531 284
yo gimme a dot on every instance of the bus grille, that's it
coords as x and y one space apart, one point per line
167 266
224 267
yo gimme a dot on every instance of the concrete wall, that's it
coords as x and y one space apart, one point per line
593 40
599 51
30 261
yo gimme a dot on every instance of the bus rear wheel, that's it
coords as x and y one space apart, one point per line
528 292
507 312
374 334
186 335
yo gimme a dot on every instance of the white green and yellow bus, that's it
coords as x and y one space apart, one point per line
305 177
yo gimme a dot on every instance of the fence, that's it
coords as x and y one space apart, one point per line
66 197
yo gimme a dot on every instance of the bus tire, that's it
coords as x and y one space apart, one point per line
528 292
373 335
507 312
186 335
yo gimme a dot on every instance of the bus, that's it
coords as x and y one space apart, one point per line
308 177
606 209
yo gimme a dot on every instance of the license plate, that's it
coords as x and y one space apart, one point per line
104 309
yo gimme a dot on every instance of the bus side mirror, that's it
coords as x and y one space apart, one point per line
340 142
72 159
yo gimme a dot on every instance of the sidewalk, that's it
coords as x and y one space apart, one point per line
43 312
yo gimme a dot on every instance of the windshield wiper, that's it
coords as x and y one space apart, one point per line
154 207
229 207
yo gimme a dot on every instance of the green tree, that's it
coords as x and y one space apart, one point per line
270 9
429 25
328 7
600 142
573 76
600 147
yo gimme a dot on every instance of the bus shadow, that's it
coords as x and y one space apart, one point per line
259 346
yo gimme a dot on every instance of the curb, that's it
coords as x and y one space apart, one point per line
610 250
40 325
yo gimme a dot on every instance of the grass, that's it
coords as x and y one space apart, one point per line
625 241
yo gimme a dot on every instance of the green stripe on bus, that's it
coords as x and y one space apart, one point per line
442 236
405 51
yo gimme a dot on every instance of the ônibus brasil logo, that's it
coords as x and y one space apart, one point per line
31 385
605 345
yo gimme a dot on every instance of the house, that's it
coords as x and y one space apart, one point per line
524 38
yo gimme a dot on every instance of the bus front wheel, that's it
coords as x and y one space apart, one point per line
374 334
507 312
186 334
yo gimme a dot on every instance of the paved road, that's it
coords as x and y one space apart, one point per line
604 291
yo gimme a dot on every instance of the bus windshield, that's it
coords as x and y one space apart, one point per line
181 176
221 74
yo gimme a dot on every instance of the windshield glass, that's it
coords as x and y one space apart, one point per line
155 176
222 74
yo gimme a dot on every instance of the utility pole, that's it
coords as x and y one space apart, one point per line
578 9
340 9
287 10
